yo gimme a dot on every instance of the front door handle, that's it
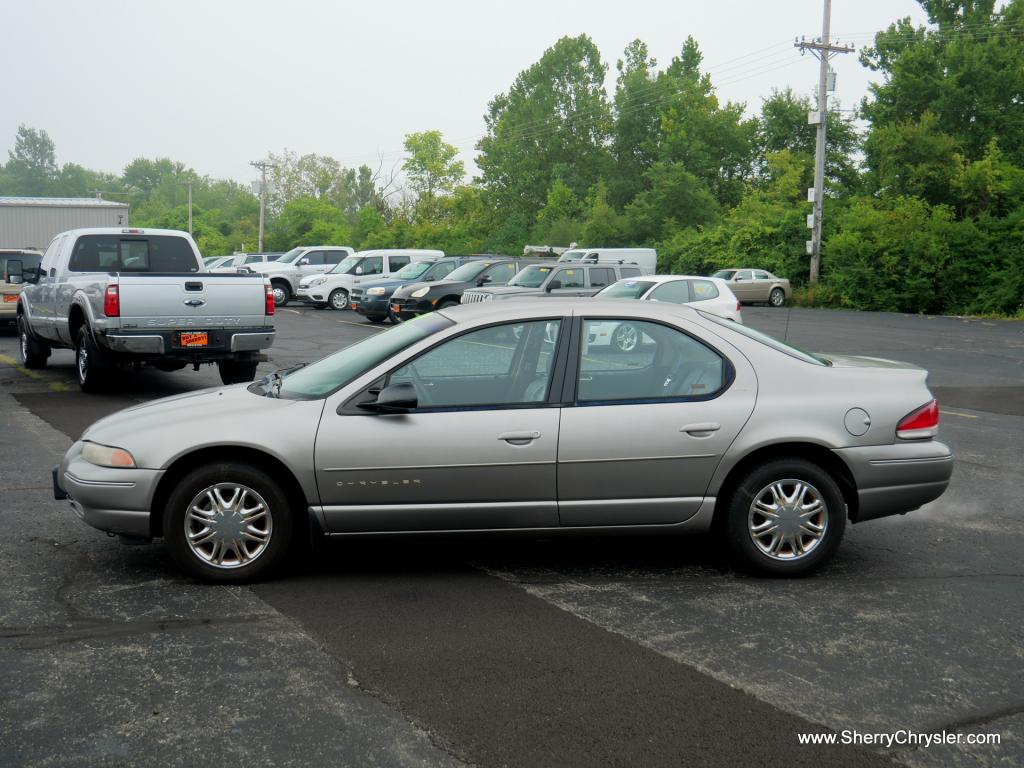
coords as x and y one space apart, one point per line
703 429
519 438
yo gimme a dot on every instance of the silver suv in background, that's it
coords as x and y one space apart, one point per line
287 271
556 279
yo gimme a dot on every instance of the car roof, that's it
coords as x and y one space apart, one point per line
497 311
669 278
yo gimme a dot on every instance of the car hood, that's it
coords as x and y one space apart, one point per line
409 288
155 433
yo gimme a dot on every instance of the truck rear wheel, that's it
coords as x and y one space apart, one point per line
91 363
33 352
237 371
282 293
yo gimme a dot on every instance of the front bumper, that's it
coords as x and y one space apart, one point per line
407 308
371 305
112 500
314 295
897 478
222 342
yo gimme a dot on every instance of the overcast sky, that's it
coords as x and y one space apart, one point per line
218 83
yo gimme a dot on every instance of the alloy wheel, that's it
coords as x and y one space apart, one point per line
787 519
228 525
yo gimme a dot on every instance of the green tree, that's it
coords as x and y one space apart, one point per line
432 165
637 128
32 165
602 225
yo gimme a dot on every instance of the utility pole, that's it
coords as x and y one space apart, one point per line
189 185
824 50
262 165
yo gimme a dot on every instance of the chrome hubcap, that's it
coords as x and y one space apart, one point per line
83 362
626 338
787 519
228 525
777 297
24 346
339 299
278 294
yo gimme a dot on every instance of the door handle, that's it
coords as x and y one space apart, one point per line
701 430
519 438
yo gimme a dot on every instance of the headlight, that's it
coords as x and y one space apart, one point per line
419 294
318 280
375 292
107 456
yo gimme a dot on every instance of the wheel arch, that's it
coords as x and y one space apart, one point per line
181 466
76 319
813 452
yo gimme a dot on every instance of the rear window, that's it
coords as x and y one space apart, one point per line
113 253
626 289
703 290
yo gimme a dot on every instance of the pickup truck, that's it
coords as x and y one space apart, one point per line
119 296
286 271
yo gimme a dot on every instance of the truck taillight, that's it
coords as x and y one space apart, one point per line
112 302
923 422
268 300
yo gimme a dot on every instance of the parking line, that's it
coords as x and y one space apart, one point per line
362 325
957 413
55 386
293 311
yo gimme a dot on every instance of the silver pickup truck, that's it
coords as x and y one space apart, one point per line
119 296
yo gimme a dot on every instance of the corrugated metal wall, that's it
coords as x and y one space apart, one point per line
33 226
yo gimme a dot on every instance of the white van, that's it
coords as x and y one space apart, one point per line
645 258
333 289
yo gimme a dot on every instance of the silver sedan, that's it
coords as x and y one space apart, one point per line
500 417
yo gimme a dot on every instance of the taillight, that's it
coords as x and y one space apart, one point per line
268 306
924 422
739 307
112 302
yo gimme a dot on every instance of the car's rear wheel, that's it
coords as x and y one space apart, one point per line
92 364
339 299
282 293
785 518
33 352
228 522
777 297
237 372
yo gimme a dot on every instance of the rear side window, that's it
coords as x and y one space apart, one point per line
703 290
570 278
601 276
501 273
760 274
397 262
112 253
629 272
674 292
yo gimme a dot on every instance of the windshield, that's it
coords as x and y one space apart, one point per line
725 274
571 256
347 264
626 289
468 271
291 256
764 338
415 269
530 277
335 371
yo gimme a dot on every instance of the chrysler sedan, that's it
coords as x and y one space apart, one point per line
502 417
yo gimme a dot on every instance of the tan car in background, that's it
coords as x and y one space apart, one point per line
752 285
12 280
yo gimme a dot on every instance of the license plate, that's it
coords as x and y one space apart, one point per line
195 339
10 298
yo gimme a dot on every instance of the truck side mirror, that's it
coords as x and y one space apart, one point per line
15 273
553 285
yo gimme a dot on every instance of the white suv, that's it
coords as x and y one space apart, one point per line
288 270
333 289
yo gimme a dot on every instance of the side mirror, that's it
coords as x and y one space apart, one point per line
737 279
398 398
359 270
553 285
302 262
484 280
15 272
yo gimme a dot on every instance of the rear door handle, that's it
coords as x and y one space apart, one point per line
703 429
519 438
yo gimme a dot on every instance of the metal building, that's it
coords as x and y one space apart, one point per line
31 222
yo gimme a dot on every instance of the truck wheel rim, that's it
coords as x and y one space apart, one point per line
24 346
278 294
83 363
228 525
787 519
339 299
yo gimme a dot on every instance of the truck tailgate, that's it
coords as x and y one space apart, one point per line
198 301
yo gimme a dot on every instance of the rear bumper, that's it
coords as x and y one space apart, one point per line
111 500
898 478
222 342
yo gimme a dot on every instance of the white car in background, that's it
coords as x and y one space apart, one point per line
334 289
710 294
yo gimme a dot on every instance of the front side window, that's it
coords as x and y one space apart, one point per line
501 273
674 292
635 360
290 256
570 278
315 258
499 365
111 253
372 265
724 274
532 276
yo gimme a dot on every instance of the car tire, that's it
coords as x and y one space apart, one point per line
282 293
394 317
626 338
777 297
236 371
338 299
204 528
376 319
92 364
447 303
809 518
33 352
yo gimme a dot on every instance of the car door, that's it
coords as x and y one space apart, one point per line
572 281
741 285
478 451
42 295
647 427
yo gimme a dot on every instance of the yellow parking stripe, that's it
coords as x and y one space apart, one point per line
55 386
957 413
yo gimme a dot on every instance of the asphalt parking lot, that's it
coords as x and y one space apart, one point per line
524 652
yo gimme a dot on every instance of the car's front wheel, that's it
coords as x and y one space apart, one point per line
33 352
228 522
339 299
785 518
777 297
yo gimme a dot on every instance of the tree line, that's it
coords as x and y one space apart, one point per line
924 210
